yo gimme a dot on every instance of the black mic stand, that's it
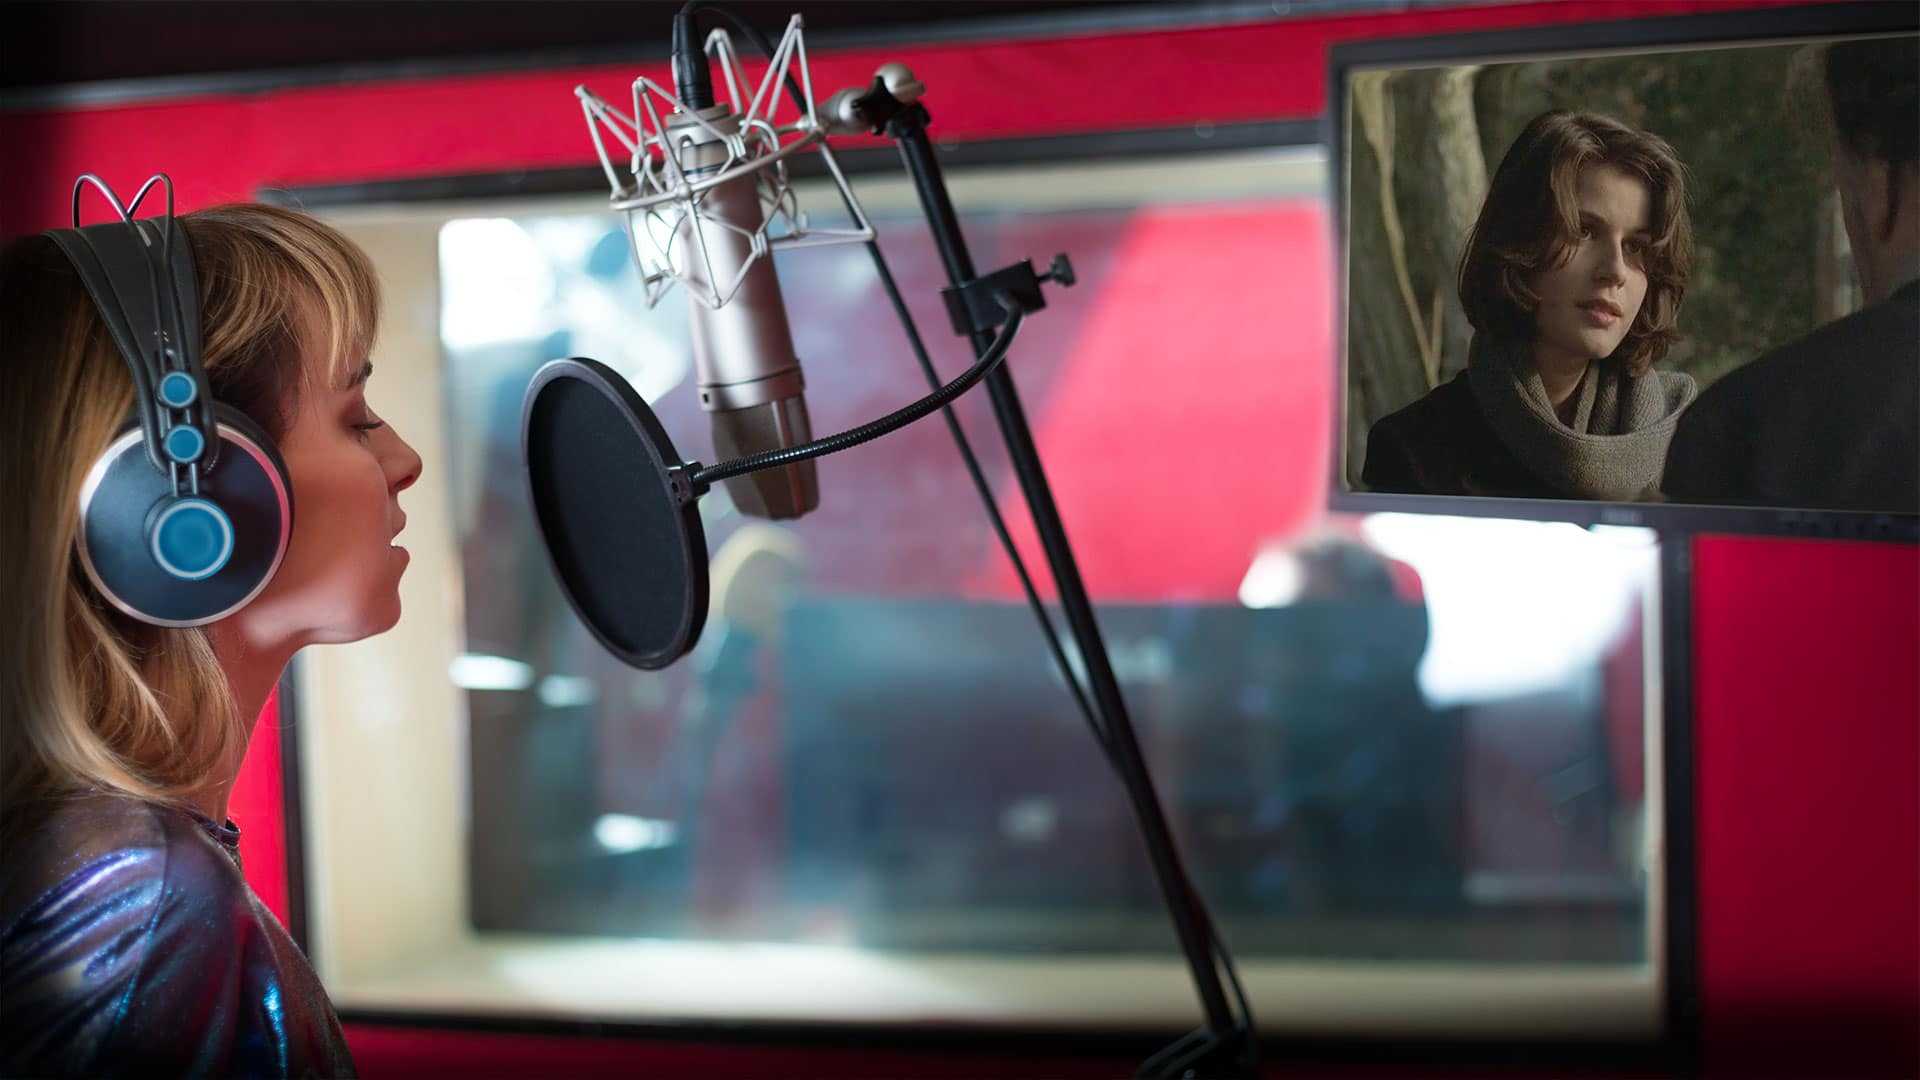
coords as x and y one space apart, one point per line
976 304
1228 1047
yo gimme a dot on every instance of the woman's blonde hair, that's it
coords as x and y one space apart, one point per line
92 699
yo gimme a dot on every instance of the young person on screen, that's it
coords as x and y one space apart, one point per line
1571 279
129 941
1832 421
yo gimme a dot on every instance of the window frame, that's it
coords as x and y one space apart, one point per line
1630 1034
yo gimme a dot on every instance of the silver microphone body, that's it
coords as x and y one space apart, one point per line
743 356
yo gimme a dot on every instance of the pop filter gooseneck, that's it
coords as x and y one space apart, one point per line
618 508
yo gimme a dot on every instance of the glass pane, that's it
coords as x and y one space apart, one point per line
1390 738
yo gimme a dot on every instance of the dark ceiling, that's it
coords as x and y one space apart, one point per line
65 42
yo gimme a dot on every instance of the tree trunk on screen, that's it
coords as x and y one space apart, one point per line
1385 370
1441 197
1418 178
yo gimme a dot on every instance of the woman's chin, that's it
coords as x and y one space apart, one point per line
389 607
375 618
389 617
1601 346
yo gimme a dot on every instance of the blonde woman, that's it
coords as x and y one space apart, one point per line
129 941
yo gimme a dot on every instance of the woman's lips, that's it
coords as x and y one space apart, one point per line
1601 313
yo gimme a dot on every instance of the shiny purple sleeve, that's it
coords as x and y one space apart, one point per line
132 944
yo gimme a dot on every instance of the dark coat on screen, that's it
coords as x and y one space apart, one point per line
1831 421
1443 445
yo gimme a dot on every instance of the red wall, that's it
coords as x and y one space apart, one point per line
1807 721
1807 729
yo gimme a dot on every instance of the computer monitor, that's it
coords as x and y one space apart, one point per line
1617 272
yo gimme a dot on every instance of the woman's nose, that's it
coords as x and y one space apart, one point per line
404 464
1613 264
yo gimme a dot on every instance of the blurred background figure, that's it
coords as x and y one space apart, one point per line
1367 796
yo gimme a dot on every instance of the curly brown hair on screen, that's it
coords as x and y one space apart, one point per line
1531 221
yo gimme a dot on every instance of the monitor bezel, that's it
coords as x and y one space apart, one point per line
1783 25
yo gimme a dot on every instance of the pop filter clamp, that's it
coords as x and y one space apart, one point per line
977 304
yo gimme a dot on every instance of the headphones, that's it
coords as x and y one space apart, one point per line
185 516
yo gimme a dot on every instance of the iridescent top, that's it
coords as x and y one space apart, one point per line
130 943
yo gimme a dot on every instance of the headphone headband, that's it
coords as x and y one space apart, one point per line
143 284
164 536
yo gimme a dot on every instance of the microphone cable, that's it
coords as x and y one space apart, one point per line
1183 1054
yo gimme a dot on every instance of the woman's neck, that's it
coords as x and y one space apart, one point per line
1560 376
252 669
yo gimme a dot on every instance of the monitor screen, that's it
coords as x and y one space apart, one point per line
1659 272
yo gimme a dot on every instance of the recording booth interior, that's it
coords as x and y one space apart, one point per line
1611 788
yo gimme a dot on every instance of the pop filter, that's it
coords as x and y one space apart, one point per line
616 505
621 529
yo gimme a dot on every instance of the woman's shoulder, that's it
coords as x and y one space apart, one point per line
1438 407
1442 444
98 890
94 843
1435 416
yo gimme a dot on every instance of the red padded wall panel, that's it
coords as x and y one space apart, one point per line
1807 732
1808 701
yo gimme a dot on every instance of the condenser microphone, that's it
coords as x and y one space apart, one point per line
707 199
749 379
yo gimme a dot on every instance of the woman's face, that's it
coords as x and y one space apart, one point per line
1590 300
340 580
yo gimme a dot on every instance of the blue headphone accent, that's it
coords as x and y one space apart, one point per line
185 444
178 390
186 515
192 538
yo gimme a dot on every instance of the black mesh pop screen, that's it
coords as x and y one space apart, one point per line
631 561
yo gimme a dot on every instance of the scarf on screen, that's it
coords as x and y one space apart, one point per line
1616 447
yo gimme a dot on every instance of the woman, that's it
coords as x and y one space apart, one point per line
128 939
1572 278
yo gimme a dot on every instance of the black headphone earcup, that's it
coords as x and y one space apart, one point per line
124 492
242 425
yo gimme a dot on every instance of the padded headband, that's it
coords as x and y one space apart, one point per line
141 278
